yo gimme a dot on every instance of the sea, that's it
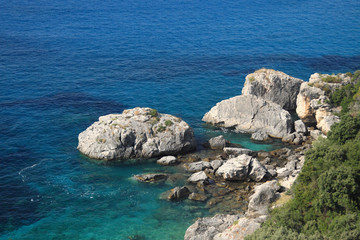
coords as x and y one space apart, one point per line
65 63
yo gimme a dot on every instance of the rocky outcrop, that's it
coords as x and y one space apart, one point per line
274 86
313 104
251 114
136 133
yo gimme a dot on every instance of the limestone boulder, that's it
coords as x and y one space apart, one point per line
197 166
260 136
206 228
218 142
197 177
300 127
251 114
274 86
136 133
235 168
241 228
167 160
264 194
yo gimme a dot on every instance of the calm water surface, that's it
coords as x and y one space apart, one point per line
65 63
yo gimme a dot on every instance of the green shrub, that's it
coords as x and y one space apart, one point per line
153 113
338 190
161 128
345 130
331 79
168 123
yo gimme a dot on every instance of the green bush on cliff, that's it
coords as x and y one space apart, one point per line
326 202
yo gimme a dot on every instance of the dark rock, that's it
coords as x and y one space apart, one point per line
178 193
197 197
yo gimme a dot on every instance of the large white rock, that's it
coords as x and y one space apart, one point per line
196 177
274 86
251 114
136 133
235 168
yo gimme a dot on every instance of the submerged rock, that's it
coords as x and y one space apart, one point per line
150 177
274 86
197 197
251 114
136 133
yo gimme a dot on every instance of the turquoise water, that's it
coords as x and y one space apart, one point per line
65 63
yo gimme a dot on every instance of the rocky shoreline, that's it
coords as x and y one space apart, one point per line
242 183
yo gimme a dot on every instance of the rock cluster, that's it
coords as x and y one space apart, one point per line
136 133
313 104
238 226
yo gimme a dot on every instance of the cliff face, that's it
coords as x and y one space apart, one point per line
313 103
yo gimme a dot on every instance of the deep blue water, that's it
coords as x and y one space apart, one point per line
65 63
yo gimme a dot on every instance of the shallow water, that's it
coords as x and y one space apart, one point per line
65 63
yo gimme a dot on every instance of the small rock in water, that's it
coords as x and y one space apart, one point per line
178 193
218 142
151 177
260 136
167 160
